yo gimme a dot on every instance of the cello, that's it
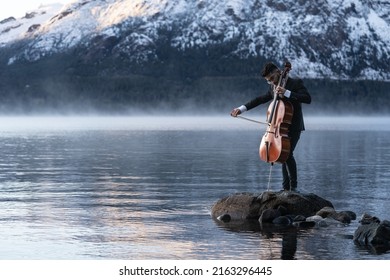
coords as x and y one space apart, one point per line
275 143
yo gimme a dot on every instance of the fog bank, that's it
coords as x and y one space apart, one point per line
182 122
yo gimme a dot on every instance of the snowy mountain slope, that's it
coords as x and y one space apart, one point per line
340 39
12 29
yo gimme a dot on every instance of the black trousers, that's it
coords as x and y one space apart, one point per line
289 168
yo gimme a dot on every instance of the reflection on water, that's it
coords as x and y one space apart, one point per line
95 188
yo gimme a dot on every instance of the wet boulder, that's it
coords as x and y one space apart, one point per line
342 216
268 206
236 207
328 216
372 231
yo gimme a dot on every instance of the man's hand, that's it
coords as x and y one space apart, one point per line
235 112
280 90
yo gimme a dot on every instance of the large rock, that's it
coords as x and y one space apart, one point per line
372 231
246 206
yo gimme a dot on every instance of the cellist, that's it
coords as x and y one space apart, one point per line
296 93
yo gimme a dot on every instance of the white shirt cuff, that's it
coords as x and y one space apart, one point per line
242 108
287 93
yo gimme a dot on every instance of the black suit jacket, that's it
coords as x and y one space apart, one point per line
299 94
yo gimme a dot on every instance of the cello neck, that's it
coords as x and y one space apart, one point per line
284 75
281 83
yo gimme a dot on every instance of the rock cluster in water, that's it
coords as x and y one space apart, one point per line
372 231
297 209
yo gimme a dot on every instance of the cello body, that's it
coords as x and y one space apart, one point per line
275 143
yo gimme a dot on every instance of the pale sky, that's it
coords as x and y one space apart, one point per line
18 8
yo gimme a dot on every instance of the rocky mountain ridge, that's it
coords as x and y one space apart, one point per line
337 39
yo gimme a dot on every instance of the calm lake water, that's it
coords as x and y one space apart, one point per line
142 187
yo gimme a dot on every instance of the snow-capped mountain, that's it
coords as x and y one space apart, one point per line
12 29
338 39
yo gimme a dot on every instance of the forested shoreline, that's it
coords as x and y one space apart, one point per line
65 85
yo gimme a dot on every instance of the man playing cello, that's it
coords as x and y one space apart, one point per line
294 91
